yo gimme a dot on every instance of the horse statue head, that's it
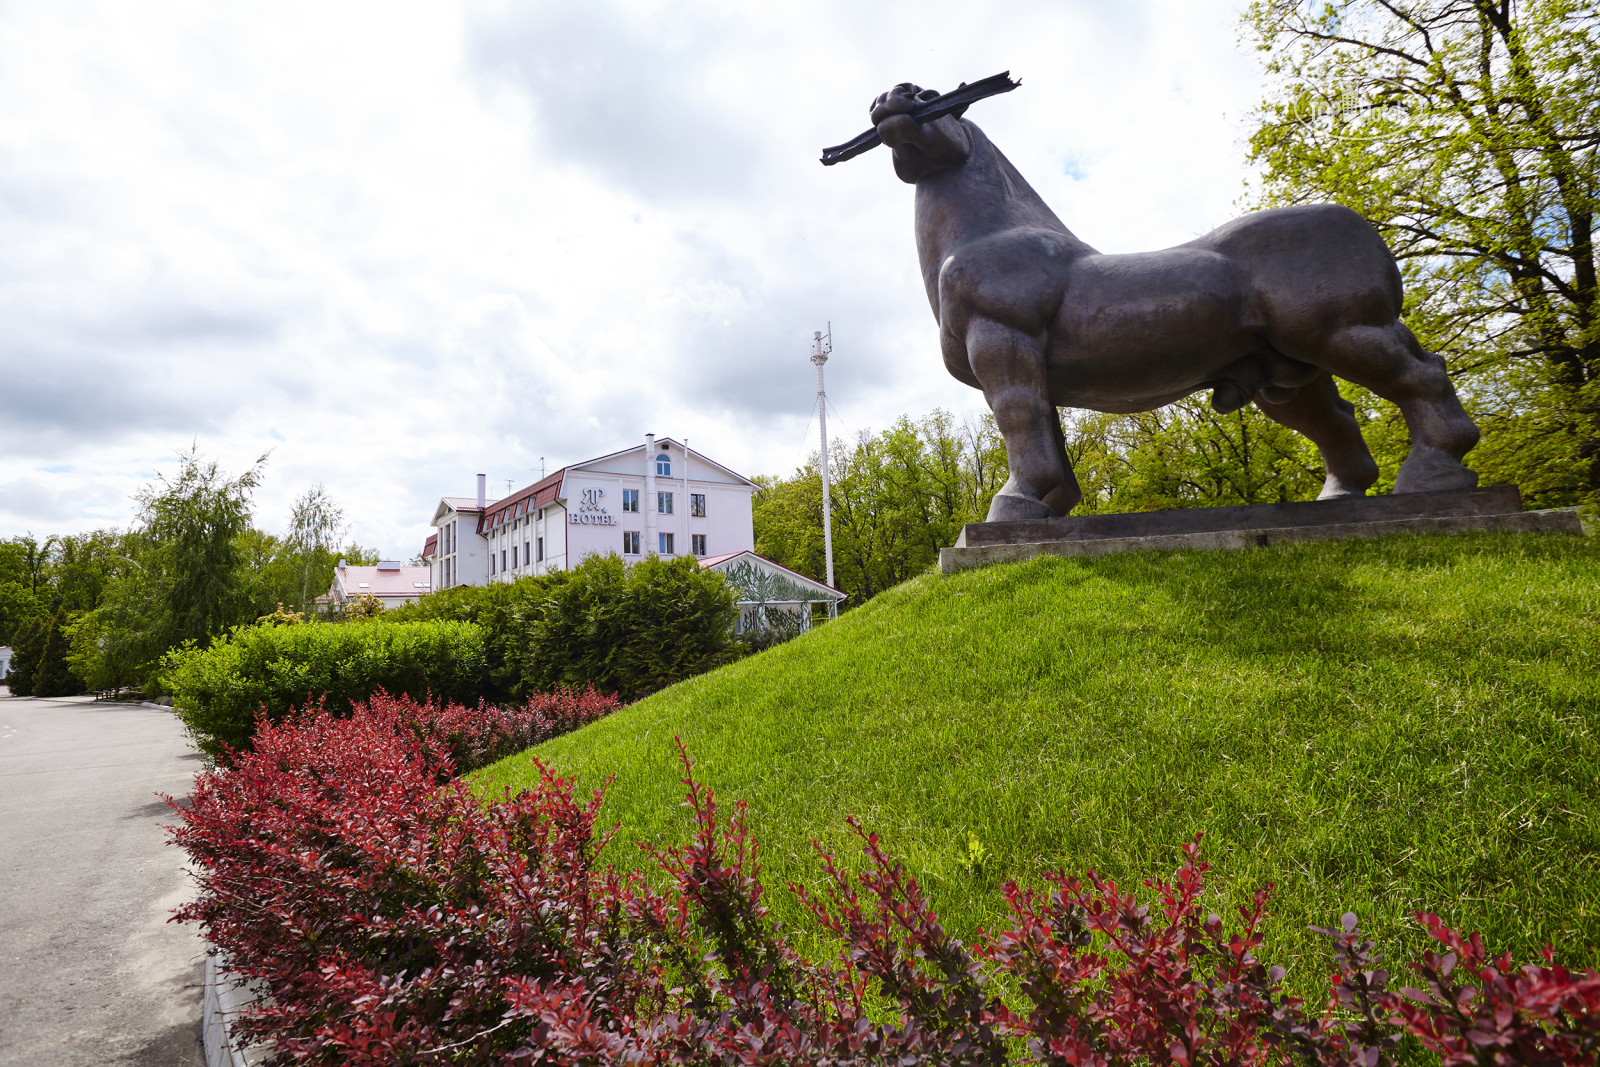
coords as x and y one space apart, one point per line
920 149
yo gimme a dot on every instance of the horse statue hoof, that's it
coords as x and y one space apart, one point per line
1336 489
1429 470
1014 507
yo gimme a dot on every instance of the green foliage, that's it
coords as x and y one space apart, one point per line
315 528
218 690
1467 134
280 617
897 498
39 664
357 556
119 642
361 607
53 675
624 630
1187 455
17 606
27 644
628 630
500 608
195 522
193 568
1387 725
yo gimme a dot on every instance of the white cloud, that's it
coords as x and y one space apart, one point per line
399 244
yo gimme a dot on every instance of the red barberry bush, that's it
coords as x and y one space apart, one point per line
396 918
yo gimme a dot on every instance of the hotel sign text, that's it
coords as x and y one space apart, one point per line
590 511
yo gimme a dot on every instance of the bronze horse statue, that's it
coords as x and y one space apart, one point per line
1268 308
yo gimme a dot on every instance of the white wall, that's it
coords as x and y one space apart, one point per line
471 555
600 523
726 526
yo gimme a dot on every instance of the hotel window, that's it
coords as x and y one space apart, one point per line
491 564
527 556
697 505
630 542
502 559
663 466
539 543
664 543
698 543
664 503
630 500
513 557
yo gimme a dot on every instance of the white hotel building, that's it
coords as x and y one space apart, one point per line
657 498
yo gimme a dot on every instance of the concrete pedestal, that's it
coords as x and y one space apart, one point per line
1460 511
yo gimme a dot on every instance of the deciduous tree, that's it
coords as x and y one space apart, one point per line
896 497
1466 131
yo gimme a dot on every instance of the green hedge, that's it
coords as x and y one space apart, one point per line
217 691
624 629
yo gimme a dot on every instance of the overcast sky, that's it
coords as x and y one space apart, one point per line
397 244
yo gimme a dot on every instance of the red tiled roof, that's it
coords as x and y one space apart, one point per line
536 496
430 546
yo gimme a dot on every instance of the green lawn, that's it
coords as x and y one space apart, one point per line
1374 726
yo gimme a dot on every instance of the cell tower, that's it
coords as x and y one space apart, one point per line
821 348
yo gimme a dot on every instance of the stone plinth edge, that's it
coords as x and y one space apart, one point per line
965 558
1492 500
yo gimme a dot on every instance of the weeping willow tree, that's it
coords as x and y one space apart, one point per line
1466 131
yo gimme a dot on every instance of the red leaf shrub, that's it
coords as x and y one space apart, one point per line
476 737
397 920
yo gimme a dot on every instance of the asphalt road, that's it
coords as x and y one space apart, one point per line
90 971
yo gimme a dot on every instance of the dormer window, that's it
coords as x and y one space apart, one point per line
663 466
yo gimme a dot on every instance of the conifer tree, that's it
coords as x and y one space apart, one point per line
52 677
27 643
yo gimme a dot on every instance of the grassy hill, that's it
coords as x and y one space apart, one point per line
1374 726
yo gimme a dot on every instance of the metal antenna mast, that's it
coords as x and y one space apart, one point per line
821 347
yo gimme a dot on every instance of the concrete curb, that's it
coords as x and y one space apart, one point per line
221 999
1556 521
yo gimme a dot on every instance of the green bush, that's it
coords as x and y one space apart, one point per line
217 691
624 629
629 630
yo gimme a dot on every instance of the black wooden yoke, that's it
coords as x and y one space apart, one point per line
952 103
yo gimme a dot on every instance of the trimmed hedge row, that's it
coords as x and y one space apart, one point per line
628 629
219 691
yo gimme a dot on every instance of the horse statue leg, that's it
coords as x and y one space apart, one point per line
1388 360
1328 419
1010 368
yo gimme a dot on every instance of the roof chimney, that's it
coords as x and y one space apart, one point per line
483 490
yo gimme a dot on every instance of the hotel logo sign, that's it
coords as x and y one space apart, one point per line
590 511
